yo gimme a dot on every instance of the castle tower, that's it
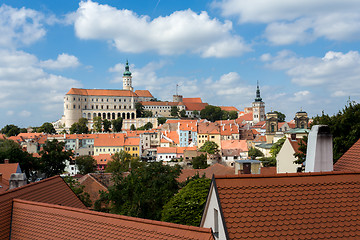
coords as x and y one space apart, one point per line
258 107
127 79
301 119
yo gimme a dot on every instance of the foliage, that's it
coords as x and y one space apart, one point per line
281 116
161 120
107 125
200 162
174 111
79 127
53 156
210 147
301 155
344 126
187 205
103 203
229 115
117 124
86 164
12 151
254 153
192 178
23 130
144 191
47 128
120 162
132 127
182 113
211 113
139 109
147 114
268 161
275 148
147 126
196 113
10 130
78 189
97 124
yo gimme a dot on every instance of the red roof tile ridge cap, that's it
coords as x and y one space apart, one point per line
134 219
31 184
280 175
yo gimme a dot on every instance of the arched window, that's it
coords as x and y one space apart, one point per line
128 116
114 106
108 116
104 115
113 115
89 115
123 115
99 114
94 115
118 115
132 116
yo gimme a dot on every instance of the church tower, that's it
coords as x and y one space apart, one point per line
301 120
258 107
127 79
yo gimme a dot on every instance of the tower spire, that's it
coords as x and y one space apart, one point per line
258 98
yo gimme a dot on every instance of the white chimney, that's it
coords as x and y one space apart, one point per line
319 154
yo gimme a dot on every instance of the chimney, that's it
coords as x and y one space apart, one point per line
17 180
6 161
319 154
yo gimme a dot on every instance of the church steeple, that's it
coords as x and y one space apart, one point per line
127 79
258 98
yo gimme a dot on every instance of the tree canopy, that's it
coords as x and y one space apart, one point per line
301 154
210 147
106 124
10 130
79 127
254 153
144 191
117 124
161 120
78 189
200 162
86 164
147 126
211 113
344 126
121 162
97 124
281 116
53 156
139 109
47 128
182 113
187 205
174 111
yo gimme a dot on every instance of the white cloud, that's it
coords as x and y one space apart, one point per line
337 73
63 61
298 21
25 84
10 113
20 26
180 32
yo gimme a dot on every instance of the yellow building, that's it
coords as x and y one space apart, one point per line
208 131
108 143
132 146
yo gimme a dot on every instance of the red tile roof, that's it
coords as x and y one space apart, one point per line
195 106
2 136
245 117
234 144
101 92
151 103
92 186
143 93
191 100
291 206
209 128
109 140
295 144
8 168
51 190
102 159
32 220
350 161
133 141
217 169
229 108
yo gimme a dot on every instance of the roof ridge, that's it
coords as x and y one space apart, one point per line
282 175
127 218
31 184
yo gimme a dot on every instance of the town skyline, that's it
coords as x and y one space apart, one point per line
302 59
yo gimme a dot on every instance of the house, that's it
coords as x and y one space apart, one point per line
350 161
232 150
284 206
108 143
102 161
217 169
208 131
49 209
285 158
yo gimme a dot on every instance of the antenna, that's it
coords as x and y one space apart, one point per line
177 88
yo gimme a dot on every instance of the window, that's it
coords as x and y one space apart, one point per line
216 223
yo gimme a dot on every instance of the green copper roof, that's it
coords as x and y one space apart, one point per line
258 98
127 72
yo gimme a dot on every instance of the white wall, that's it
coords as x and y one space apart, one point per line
285 159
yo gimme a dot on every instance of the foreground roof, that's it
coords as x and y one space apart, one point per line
51 190
350 161
33 220
291 206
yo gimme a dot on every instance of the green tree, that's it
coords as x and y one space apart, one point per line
47 128
147 114
107 125
144 191
79 127
117 124
132 127
161 120
211 113
200 162
210 147
85 164
23 130
78 189
147 126
186 207
344 126
12 151
281 116
97 124
182 113
196 113
53 156
139 109
120 162
233 115
301 154
10 130
254 153
274 150
174 111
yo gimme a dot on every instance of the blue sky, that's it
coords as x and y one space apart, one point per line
305 54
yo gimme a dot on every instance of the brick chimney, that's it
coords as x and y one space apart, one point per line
319 154
6 161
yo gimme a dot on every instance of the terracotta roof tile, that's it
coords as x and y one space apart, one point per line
191 100
217 169
109 140
229 108
151 103
234 144
133 141
92 186
2 136
350 160
245 117
32 220
208 127
195 106
143 93
101 92
291 206
9 168
295 144
102 158
51 190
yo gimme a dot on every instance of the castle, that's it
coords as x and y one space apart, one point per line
105 103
